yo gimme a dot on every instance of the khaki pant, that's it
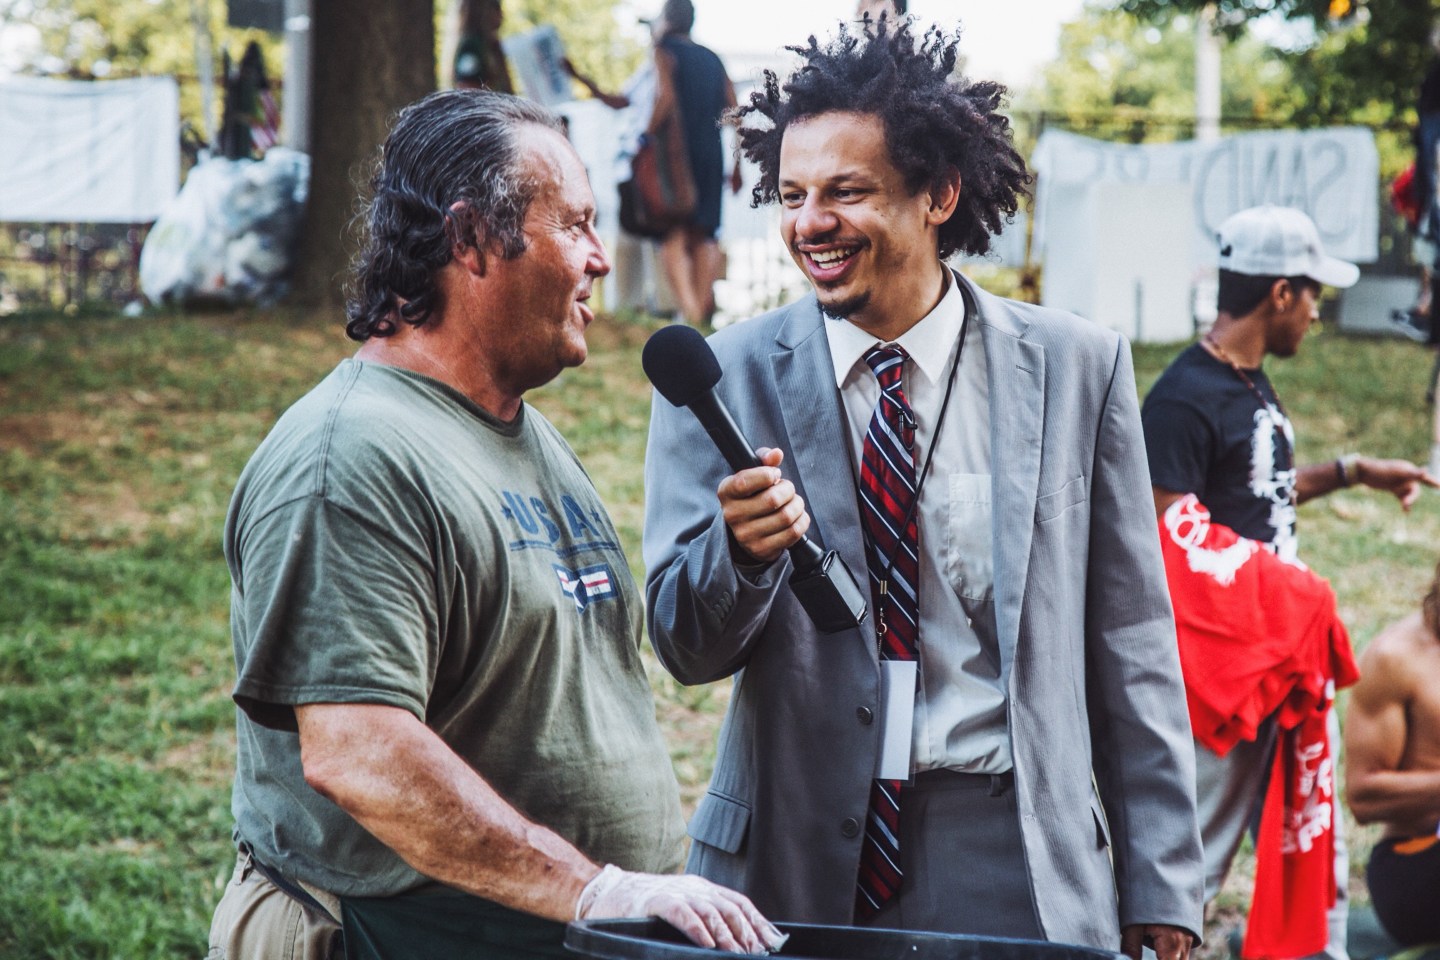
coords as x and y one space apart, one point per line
256 920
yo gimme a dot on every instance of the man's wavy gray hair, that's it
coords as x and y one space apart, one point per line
449 175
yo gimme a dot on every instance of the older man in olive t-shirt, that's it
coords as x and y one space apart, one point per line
447 743
478 583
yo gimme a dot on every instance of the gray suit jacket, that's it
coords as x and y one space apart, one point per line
1104 765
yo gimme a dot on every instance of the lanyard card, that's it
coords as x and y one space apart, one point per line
897 718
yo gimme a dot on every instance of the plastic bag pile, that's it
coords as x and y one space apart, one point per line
229 235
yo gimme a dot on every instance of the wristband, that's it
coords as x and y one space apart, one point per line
1347 469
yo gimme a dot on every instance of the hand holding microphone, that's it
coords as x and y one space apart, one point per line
683 368
764 513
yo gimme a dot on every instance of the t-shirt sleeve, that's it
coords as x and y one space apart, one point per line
1179 443
335 609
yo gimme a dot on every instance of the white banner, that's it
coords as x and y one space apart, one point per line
1332 174
88 152
535 61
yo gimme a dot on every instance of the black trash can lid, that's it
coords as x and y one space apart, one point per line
652 939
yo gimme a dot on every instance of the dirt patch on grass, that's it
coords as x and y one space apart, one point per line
116 516
210 760
101 420
30 432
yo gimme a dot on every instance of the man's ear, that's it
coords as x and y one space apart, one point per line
944 195
465 248
1282 292
471 257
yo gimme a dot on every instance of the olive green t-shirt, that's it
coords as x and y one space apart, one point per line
392 543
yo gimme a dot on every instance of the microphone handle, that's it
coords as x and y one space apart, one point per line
824 586
715 417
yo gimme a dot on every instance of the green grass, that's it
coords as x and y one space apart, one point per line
120 440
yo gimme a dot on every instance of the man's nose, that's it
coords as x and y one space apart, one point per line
599 262
814 219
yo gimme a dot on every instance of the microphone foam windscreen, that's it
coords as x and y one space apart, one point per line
680 364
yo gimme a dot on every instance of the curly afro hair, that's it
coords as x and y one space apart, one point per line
933 124
449 174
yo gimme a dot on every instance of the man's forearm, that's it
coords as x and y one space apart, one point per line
1319 479
1401 478
403 784
1396 796
407 787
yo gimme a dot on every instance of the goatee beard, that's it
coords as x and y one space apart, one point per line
846 308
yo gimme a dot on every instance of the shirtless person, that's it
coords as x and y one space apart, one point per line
1392 740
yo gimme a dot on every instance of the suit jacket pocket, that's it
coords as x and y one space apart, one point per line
1102 828
1051 505
720 822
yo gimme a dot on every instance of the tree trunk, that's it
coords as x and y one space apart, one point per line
369 58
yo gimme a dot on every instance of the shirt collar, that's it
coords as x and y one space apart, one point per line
928 342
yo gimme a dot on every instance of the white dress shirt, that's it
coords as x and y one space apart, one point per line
960 706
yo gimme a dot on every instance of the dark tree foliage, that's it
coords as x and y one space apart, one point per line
1367 62
1233 14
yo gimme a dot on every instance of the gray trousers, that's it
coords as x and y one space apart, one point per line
1229 792
962 858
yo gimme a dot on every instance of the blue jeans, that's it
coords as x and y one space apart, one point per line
1425 193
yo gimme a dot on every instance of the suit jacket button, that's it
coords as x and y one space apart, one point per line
864 715
849 827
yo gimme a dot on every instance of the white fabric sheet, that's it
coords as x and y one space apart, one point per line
88 152
1333 174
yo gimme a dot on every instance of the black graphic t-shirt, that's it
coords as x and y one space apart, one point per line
1208 434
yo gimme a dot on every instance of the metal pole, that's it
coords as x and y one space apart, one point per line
295 119
1207 76
205 67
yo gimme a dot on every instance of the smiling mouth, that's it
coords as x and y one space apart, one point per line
831 258
828 264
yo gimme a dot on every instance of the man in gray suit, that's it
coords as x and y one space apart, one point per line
1002 747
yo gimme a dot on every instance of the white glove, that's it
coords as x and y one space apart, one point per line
707 913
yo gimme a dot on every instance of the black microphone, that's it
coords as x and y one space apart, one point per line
683 368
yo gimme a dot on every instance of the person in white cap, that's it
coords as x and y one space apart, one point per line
1215 428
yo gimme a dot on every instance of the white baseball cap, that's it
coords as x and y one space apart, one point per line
1272 241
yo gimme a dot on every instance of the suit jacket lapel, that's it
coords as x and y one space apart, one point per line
820 457
1016 370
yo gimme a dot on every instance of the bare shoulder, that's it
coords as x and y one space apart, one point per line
1399 656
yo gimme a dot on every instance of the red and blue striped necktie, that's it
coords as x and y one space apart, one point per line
887 497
